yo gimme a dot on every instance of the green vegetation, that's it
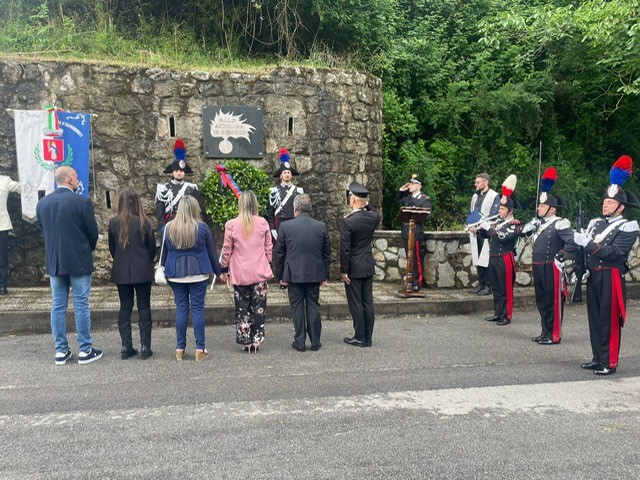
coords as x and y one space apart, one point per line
469 86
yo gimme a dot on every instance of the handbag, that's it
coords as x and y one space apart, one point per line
158 276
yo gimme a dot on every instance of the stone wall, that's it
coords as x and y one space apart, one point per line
447 263
330 120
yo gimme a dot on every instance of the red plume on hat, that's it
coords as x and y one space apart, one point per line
179 150
509 185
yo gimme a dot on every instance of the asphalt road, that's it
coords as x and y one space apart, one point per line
450 397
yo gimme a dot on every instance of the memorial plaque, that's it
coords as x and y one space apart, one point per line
232 131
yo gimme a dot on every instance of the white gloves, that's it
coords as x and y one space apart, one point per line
484 226
581 239
529 227
274 234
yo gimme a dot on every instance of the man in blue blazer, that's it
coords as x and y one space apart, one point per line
303 256
70 236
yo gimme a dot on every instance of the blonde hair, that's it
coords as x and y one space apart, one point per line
183 230
247 208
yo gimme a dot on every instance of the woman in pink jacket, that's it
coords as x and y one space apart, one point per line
246 257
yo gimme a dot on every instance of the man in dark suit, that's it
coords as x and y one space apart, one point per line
70 236
356 263
303 255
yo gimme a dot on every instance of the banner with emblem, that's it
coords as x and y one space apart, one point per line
46 140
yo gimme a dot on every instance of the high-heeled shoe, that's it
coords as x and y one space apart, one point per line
201 354
256 347
179 354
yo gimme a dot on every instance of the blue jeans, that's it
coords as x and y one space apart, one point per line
81 287
189 296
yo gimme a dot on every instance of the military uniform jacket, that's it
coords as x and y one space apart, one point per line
276 196
611 242
554 236
502 237
165 195
408 200
356 234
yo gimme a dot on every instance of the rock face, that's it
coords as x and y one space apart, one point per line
331 121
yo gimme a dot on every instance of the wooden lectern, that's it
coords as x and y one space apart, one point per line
411 215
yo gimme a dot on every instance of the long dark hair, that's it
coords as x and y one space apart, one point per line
129 206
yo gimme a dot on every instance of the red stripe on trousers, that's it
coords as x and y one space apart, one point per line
510 269
557 304
618 311
418 258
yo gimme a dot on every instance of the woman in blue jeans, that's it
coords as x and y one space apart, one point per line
189 256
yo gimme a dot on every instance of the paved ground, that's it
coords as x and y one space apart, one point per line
442 397
26 310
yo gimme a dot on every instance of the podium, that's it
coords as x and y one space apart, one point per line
411 215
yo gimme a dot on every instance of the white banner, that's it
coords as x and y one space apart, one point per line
33 173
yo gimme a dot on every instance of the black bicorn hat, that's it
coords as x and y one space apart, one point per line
358 190
285 164
621 170
547 181
507 199
180 162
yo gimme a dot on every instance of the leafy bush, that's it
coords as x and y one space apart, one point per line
221 203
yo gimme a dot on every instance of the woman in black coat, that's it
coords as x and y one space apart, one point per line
133 247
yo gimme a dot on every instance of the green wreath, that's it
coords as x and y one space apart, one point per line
220 203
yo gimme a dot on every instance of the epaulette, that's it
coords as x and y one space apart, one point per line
563 224
630 226
593 222
273 189
299 190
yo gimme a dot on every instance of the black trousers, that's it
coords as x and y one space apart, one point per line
360 300
126 293
605 324
482 271
502 275
305 310
4 258
547 283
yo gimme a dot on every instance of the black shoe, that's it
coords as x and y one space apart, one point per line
354 341
538 338
547 341
127 352
591 365
415 288
484 291
315 348
476 290
368 344
3 291
91 356
503 321
297 347
495 318
604 371
145 352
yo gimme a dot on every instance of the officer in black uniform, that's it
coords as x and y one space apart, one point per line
410 195
607 243
356 263
168 194
281 197
503 236
552 244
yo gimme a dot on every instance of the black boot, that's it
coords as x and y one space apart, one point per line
145 325
124 326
